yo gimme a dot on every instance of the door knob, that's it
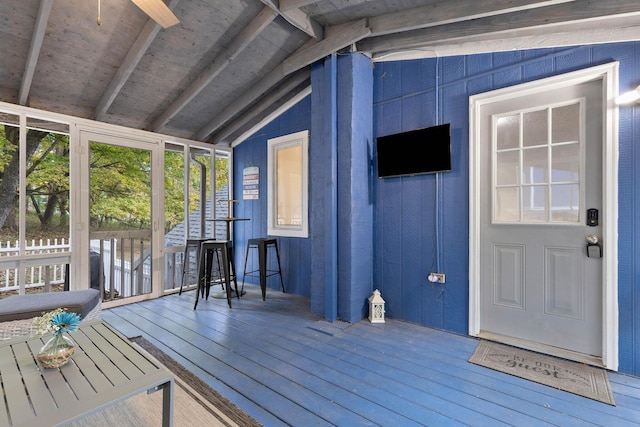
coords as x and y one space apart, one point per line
594 247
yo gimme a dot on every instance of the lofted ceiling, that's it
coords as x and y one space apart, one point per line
228 65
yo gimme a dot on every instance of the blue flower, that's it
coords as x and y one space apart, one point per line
65 322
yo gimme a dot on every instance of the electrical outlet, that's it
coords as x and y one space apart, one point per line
436 278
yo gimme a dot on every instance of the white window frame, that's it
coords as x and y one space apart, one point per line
275 144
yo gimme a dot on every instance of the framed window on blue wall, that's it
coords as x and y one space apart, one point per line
287 184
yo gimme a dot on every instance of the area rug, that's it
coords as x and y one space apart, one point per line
195 403
573 377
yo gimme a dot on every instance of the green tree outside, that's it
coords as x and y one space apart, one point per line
120 184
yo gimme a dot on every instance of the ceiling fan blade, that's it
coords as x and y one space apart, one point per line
158 11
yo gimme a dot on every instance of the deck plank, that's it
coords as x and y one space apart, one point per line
191 346
551 399
245 358
329 382
284 366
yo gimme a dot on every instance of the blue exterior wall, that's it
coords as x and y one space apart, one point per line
414 94
323 195
342 209
354 202
355 192
295 253
410 212
339 250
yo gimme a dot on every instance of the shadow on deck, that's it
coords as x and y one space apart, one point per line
284 366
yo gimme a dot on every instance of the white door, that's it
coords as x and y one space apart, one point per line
120 214
541 170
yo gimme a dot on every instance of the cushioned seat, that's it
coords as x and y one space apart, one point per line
21 307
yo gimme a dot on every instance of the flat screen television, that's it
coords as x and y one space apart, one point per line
415 152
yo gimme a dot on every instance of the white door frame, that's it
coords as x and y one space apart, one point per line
608 74
85 135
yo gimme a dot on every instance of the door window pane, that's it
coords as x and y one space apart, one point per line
508 168
534 128
534 165
508 132
538 175
565 166
534 204
507 205
566 123
565 203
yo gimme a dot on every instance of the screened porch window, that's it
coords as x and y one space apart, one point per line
34 202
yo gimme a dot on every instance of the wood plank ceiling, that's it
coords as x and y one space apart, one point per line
229 64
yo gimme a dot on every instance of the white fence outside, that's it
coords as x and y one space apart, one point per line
124 281
36 276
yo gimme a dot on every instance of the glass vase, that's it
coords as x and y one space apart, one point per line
57 351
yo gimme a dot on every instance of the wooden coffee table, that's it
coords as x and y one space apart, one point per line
105 369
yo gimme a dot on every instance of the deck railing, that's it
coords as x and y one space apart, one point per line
124 268
120 261
36 275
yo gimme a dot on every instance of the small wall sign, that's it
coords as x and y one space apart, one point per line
250 183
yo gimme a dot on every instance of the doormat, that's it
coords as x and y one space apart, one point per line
573 377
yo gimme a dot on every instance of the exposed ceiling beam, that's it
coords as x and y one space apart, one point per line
540 19
130 62
304 23
294 4
34 50
573 34
345 35
339 38
237 45
298 19
240 104
450 11
267 116
265 104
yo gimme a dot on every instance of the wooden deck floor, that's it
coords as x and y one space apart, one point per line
284 366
